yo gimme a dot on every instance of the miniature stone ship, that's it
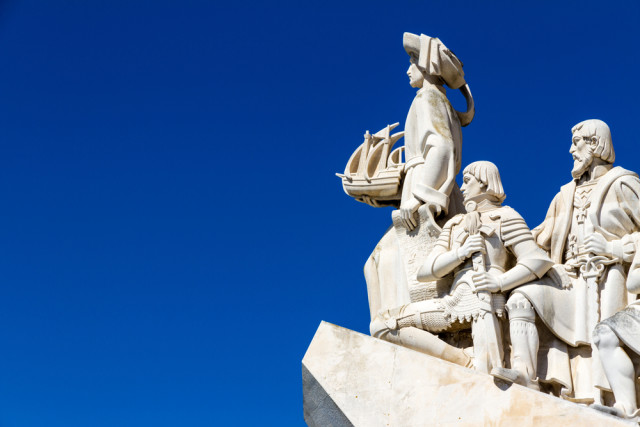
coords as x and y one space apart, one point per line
374 173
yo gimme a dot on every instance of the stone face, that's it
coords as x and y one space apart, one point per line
353 379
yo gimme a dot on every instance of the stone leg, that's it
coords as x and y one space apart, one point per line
619 370
487 343
412 326
524 342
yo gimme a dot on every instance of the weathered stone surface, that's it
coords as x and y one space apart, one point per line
353 379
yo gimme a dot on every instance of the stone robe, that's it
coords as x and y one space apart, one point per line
614 212
433 147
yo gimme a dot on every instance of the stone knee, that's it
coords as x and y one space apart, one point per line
604 338
524 338
519 308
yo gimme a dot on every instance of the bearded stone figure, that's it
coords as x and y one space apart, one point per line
589 230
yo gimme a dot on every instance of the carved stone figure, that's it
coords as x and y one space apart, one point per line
618 341
433 138
588 229
424 186
483 254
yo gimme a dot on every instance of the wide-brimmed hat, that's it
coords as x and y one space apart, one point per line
434 57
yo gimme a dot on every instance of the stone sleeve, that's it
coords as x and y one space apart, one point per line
519 239
427 194
444 239
443 245
515 230
543 233
627 191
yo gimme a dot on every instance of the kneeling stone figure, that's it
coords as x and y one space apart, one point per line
485 252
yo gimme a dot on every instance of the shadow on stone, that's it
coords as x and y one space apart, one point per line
319 408
501 384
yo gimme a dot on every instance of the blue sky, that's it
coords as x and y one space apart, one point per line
172 231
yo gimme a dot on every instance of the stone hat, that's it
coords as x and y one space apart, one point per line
435 58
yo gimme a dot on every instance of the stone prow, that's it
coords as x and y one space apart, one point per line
354 379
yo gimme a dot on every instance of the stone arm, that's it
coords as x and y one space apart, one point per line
628 194
633 279
441 262
626 191
622 249
438 264
531 261
532 264
433 180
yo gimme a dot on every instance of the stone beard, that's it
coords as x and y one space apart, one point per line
581 164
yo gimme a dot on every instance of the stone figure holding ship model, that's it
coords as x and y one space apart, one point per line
424 186
433 137
433 140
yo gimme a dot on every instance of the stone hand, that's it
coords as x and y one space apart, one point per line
435 209
407 213
596 244
472 245
486 282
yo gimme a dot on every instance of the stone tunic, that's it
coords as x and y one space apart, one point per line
578 230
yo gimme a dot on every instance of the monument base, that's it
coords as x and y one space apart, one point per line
354 379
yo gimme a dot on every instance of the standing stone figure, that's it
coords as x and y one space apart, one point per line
588 229
490 236
433 138
428 191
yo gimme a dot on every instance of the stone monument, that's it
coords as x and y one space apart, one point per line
547 315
